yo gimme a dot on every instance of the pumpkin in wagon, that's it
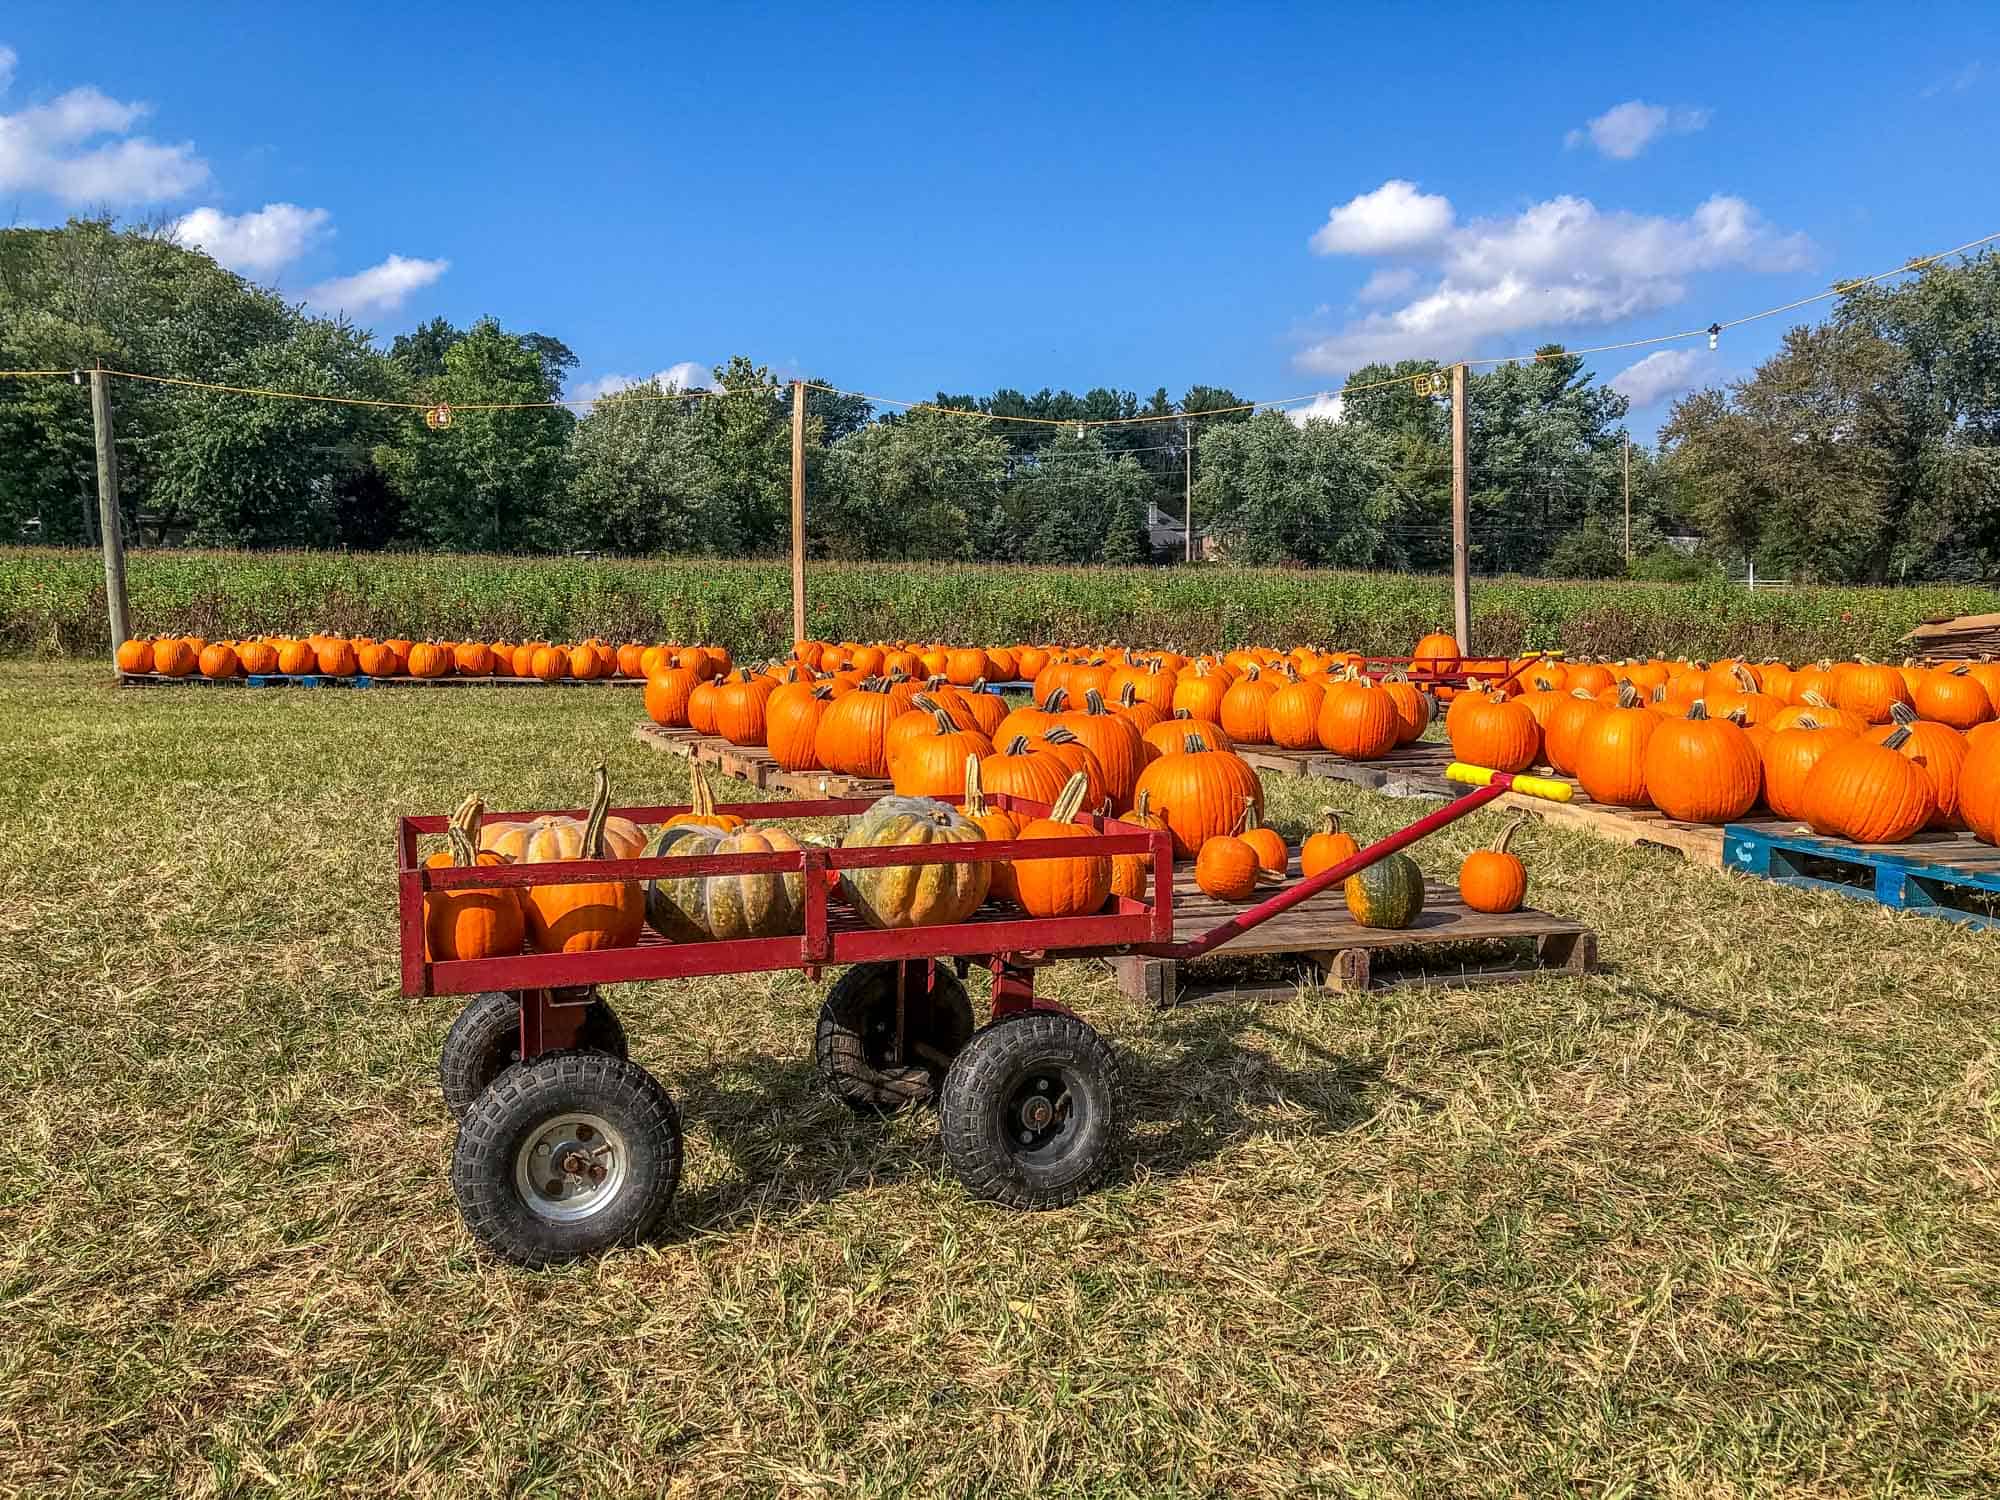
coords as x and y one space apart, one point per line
995 824
896 896
933 764
474 921
690 908
703 811
1069 886
587 916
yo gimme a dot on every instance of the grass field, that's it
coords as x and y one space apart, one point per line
1723 1220
52 604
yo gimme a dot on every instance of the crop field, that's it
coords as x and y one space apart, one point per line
52 604
1721 1220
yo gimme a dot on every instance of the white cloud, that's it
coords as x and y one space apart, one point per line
1320 408
1956 83
1395 217
1388 284
1665 373
1558 264
688 375
380 288
256 244
48 148
1624 130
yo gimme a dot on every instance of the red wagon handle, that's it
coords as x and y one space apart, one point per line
1491 786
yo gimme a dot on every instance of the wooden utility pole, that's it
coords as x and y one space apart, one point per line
1461 519
798 510
1187 484
109 530
1628 499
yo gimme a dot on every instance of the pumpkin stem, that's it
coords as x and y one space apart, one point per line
944 722
1507 833
1814 698
1070 800
1805 721
600 808
1698 709
1628 696
1093 702
1332 819
975 791
702 798
1142 805
1057 735
1017 745
1193 744
1128 696
1898 738
1902 713
464 831
1053 704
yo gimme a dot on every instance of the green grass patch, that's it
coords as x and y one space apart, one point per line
52 604
1722 1220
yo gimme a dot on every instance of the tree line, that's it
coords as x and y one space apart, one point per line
1863 450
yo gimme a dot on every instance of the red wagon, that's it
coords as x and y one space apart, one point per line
567 1147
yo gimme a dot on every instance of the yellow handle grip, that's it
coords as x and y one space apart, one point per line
1527 786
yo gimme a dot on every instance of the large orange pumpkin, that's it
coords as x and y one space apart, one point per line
589 915
1869 792
1358 721
1199 792
666 696
1610 750
1940 750
1491 730
1702 770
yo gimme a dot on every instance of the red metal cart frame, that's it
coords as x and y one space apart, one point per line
1013 946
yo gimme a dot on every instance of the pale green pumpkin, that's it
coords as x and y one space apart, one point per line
914 895
694 908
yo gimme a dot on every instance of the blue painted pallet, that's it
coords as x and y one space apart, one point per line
1928 876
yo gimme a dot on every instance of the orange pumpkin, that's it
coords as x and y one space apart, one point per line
1066 887
1494 880
473 921
586 916
1226 868
1200 793
1328 847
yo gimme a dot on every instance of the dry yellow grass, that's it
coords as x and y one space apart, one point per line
1720 1221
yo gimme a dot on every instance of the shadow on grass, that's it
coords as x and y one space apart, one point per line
1194 1086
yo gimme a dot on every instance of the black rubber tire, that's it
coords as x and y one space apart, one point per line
485 1041
1005 1064
521 1104
850 1042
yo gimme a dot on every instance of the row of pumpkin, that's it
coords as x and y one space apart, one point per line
363 656
1209 803
1832 764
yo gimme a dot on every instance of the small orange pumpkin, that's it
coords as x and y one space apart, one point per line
1328 847
1226 868
471 922
1494 880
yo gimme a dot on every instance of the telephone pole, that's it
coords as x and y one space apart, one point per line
1628 499
109 529
798 510
1187 484
1461 518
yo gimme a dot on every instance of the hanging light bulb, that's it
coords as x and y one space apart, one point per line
1714 334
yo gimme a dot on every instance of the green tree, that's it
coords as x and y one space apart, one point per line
643 479
752 450
1067 496
1278 492
917 487
488 481
252 471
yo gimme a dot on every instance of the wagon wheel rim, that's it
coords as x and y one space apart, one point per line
571 1167
1044 1114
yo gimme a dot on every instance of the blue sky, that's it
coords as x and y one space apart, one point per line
904 200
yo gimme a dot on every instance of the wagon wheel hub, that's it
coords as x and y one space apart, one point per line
570 1167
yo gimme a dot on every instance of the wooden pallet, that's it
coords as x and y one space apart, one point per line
359 680
753 765
1449 945
1949 875
1418 770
